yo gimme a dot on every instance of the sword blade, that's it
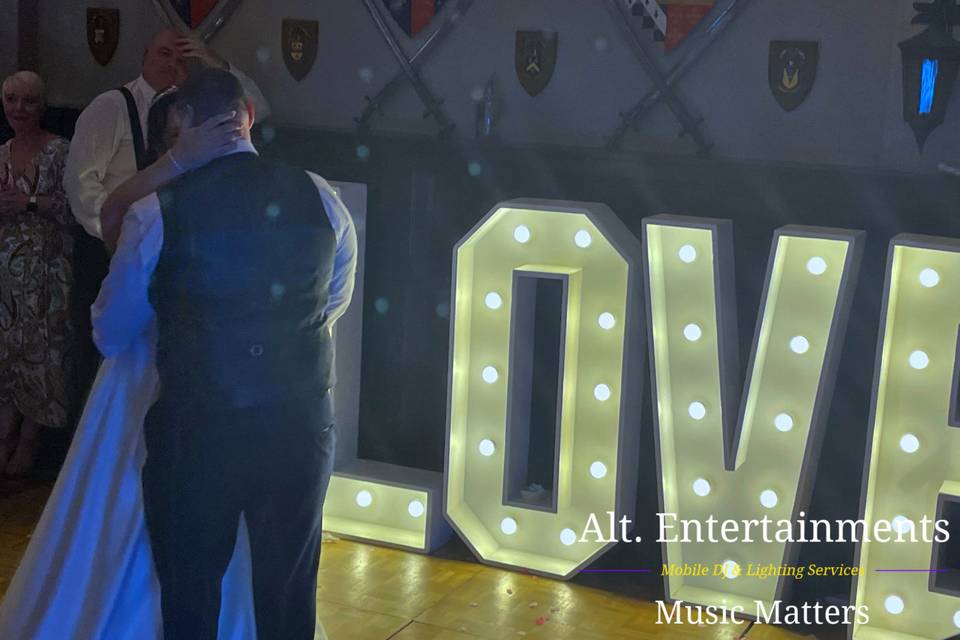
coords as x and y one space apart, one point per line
375 103
688 123
423 92
692 55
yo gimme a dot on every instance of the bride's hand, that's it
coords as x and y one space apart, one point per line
196 146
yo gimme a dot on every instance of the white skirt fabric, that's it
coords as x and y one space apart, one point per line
88 572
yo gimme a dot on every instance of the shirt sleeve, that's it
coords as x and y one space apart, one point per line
95 143
122 309
345 259
253 93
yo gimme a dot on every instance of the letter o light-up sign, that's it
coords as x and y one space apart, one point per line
597 260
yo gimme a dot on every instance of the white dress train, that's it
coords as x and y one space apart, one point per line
88 572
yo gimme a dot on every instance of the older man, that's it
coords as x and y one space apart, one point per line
105 148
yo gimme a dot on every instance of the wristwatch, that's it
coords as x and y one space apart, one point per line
32 204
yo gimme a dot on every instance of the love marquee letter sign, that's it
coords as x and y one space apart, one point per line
730 448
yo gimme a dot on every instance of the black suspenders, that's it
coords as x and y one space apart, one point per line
135 129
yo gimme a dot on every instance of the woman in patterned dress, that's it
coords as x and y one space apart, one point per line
36 275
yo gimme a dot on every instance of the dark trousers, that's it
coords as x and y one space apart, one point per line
206 465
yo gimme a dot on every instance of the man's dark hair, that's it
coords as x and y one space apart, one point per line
157 123
209 92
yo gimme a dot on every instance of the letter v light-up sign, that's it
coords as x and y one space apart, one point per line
720 454
913 461
585 251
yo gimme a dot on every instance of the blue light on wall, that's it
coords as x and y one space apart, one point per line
928 84
931 63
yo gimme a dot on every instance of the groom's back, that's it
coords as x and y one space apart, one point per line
242 283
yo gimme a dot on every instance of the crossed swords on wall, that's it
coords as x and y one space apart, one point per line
663 83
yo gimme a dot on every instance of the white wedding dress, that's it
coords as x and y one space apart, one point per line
88 573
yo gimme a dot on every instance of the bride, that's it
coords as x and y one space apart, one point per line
88 573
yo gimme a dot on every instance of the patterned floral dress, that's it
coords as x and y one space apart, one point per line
36 277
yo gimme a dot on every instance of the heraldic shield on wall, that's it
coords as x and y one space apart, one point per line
536 58
103 33
793 70
413 16
670 20
299 41
200 17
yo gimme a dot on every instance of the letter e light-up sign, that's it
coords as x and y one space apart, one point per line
913 455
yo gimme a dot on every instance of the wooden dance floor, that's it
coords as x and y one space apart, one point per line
372 593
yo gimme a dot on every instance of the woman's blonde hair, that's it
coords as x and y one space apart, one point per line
29 79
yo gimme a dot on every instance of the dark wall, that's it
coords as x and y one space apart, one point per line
853 116
57 120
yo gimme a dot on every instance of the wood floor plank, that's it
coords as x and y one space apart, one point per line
420 631
342 622
367 592
766 632
498 604
387 580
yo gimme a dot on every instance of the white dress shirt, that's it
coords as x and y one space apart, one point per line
101 154
123 311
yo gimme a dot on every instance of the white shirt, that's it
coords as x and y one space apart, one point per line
101 154
123 310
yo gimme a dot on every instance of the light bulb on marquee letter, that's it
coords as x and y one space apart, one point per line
894 605
692 332
817 266
769 499
783 422
486 447
606 321
929 278
701 487
697 411
364 499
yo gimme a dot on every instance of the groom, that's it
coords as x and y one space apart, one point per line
247 264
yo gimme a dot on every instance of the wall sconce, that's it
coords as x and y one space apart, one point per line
931 60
